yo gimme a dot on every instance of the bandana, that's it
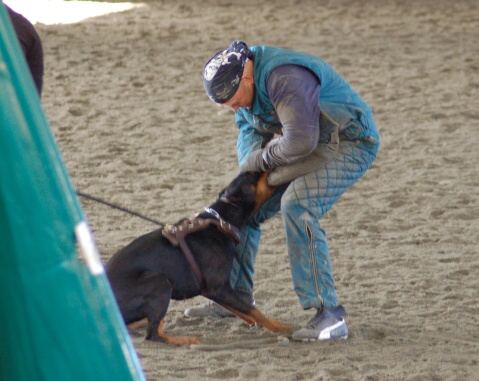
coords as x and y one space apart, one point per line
222 73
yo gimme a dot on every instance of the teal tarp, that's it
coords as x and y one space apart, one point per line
58 320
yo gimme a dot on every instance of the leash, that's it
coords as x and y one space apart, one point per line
99 200
281 341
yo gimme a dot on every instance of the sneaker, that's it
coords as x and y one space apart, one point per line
210 310
328 323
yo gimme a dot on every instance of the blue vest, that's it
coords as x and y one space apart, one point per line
336 97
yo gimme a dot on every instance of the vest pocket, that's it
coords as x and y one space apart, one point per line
329 137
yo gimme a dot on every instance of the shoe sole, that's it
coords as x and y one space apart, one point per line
314 340
327 334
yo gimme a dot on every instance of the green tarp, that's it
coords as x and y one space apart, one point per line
58 318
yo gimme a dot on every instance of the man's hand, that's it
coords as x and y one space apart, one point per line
255 163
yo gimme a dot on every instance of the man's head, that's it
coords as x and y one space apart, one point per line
224 74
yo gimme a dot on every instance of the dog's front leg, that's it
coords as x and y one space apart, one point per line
256 317
244 316
271 325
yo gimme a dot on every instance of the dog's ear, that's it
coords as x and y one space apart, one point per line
233 193
248 187
242 189
256 176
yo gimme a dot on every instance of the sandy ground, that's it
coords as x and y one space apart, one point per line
124 97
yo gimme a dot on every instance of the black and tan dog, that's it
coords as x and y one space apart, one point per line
193 257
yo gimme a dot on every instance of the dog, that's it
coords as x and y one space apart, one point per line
193 257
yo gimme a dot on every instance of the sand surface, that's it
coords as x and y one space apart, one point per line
124 96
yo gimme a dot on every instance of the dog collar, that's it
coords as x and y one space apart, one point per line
225 226
213 212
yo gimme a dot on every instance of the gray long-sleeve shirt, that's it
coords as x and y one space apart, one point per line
294 92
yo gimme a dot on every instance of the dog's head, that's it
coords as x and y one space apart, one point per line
247 191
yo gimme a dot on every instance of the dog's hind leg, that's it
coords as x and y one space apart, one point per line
158 295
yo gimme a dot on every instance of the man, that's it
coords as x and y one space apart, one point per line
326 139
31 46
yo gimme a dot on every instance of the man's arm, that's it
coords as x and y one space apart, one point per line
249 138
294 92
